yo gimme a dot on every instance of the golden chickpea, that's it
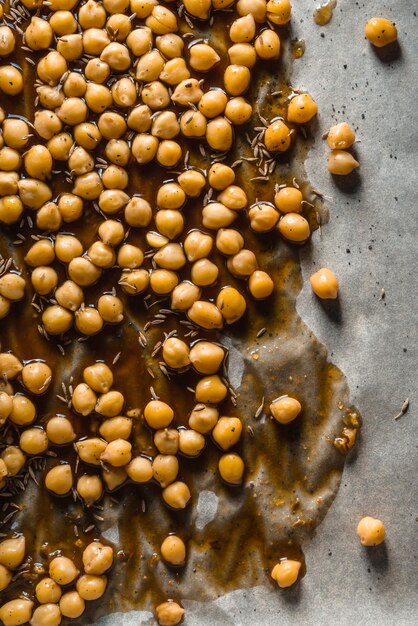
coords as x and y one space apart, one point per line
233 197
140 470
6 406
57 320
124 92
10 159
49 614
149 66
116 6
243 29
60 431
242 264
47 591
203 58
112 125
5 577
263 217
139 119
170 257
211 390
11 209
83 272
176 353
324 284
341 163
69 295
238 111
242 54
173 550
116 428
41 253
95 40
51 67
213 103
111 232
289 200
216 215
110 309
114 477
90 489
142 8
169 223
167 441
169 153
36 377
130 256
96 70
341 136
184 296
38 162
11 80
110 404
4 307
50 97
175 71
165 469
70 46
279 11
73 111
70 207
219 133
139 41
16 612
87 135
23 411
15 133
229 241
231 468
119 26
165 125
286 572
72 604
9 183
134 281
380 32
193 124
33 441
237 79
59 479
60 146
12 286
162 21
138 212
170 45
267 46
302 108
197 245
117 453
227 432
118 152
231 304
204 273
260 285
38 34
14 460
83 399
158 414
97 558
200 9
294 227
91 15
144 148
10 366
206 357
98 97
371 531
171 613
278 137
98 377
205 314
90 450
80 162
62 570
285 409
203 418
91 587
48 217
12 552
101 254
111 201
176 495
191 442
63 23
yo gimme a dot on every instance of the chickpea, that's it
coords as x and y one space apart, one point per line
149 66
116 428
57 320
41 253
48 217
242 54
324 284
111 201
73 111
165 469
117 453
176 495
341 163
175 71
242 264
130 256
184 296
167 441
155 95
5 577
95 41
197 245
36 377
170 223
158 414
10 366
187 92
227 432
90 489
216 215
203 57
134 282
119 26
205 314
70 46
98 377
49 614
173 550
278 137
110 309
101 254
72 604
238 111
11 80
51 67
233 197
191 442
87 135
162 21
203 418
206 357
98 97
111 232
12 552
294 227
236 79
9 183
263 217
231 304
14 460
15 133
204 273
83 399
62 570
165 125
91 587
10 159
38 162
371 531
47 591
89 450
242 29
219 134
33 441
110 404
200 9
176 353
144 148
97 558
11 209
169 153
279 11
16 612
124 92
59 480
341 136
211 390
97 71
70 207
114 477
231 468
4 307
139 41
380 32
289 200
6 405
285 409
69 295
260 285
92 15
213 103
170 45
139 118
12 286
112 125
170 613
83 272
140 470
50 97
23 411
302 108
60 431
80 162
60 146
63 23
193 124
138 212
267 46
38 34
286 572
116 6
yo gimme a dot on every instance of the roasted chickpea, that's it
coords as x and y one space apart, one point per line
97 558
237 79
341 163
134 282
302 108
211 390
12 552
191 442
204 273
238 111
184 296
205 314
46 614
242 54
140 470
193 124
70 46
219 134
11 80
278 137
176 495
119 26
289 200
114 477
101 254
16 612
168 153
233 197
90 489
110 404
63 22
10 159
167 441
324 284
227 432
256 8
206 357
11 209
173 550
174 71
260 285
165 469
263 217
203 418
10 366
69 295
91 587
111 232
14 460
118 152
242 29
242 264
47 591
5 577
87 135
169 223
176 353
197 245
23 411
113 200
9 183
83 399
231 468
117 453
286 572
203 57
170 45
267 45
72 604
12 286
341 136
51 67
36 377
62 570
124 92
162 21
216 215
48 217
213 103
279 11
38 34
294 227
138 212
112 125
116 428
15 133
229 241
59 479
83 272
57 320
73 111
41 253
171 613
285 409
60 431
371 531
110 308
38 162
60 146
33 441
158 414
139 119
144 148
95 41
192 182
380 32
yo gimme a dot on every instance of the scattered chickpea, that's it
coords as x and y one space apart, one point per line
176 353
97 558
170 613
12 552
380 31
371 531
60 431
341 136
63 570
294 227
191 442
227 432
177 495
231 468
231 304
165 469
285 409
59 479
211 389
286 572
47 591
23 411
33 441
278 137
279 11
289 200
91 587
14 460
203 418
5 577
140 470
72 604
173 550
184 295
324 284
36 377
302 109
260 285
90 450
341 162
167 441
16 612
90 489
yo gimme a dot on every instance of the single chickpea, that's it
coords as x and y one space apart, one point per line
51 67
231 304
6 406
5 577
57 320
140 470
36 377
242 54
101 254
63 23
15 133
165 469
70 207
134 282
238 111
341 136
279 11
110 404
211 390
205 314
87 135
176 353
69 295
33 441
91 587
47 591
23 411
227 432
278 137
229 241
38 34
114 477
192 182
70 46
231 468
116 6
111 232
11 80
171 613
98 377
285 409
12 552
202 57
204 273
142 8
170 45
162 21
170 257
50 97
117 453
289 200
371 531
177 495
206 357
197 245
193 124
59 479
10 159
173 550
267 45
219 133
12 286
165 125
90 489
216 215
9 183
203 418
256 8
7 41
200 9
112 125
139 119
286 572
80 161
302 108
97 558
116 55
169 153
113 200
260 285
324 284
62 570
233 197
242 29
90 450
60 431
213 103
83 272
380 32
242 264
139 41
16 612
237 79
110 309
294 227
119 26
341 163
158 414
124 92
263 217
138 212
169 222
184 296
72 604
167 441
191 442
11 209
41 253
116 428
92 15
130 256
14 460
60 146
83 399
175 71
73 111
149 66
4 307
144 148
10 366
49 218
